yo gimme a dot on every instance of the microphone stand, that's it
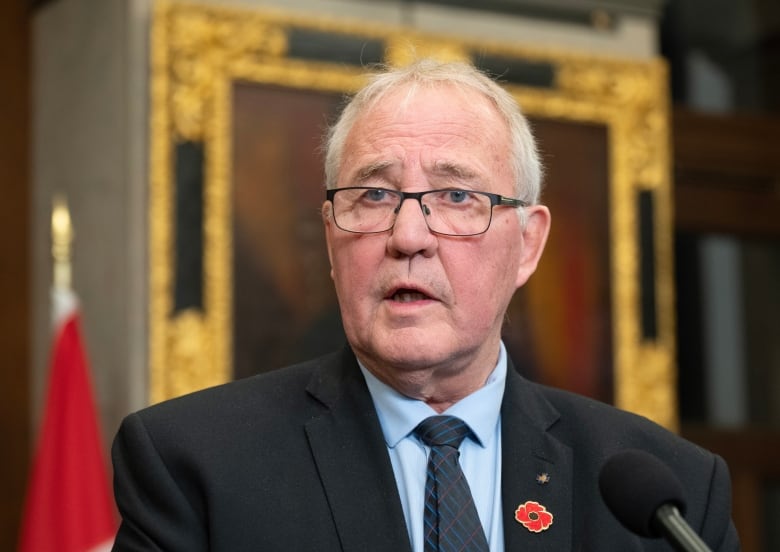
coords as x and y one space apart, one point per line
677 531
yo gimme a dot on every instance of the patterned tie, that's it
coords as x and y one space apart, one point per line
451 519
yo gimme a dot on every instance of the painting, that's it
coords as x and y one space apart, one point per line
239 278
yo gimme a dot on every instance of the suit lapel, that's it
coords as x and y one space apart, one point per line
349 451
352 460
529 451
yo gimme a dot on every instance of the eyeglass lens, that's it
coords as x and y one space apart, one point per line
452 212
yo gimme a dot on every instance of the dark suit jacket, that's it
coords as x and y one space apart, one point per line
294 460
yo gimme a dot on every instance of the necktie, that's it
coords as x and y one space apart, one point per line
451 519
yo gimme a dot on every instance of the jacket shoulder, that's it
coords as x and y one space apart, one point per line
584 420
271 400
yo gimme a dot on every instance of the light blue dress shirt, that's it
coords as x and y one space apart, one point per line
480 461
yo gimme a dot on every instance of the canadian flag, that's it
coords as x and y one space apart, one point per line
69 507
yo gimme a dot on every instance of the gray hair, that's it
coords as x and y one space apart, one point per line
526 165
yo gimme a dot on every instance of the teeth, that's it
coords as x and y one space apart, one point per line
408 296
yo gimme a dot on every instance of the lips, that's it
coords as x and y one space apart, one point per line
403 294
407 296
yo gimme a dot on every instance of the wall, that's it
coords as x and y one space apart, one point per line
89 101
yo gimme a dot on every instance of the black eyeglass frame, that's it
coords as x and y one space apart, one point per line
495 200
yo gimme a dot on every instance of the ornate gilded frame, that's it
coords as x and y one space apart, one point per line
199 50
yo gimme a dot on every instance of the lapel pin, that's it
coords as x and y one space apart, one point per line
533 516
543 478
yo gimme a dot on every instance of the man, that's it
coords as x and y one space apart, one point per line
432 222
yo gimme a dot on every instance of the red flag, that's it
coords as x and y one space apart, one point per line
69 506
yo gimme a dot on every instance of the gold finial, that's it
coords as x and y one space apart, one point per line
61 239
602 20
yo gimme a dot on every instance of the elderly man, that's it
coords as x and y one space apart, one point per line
420 434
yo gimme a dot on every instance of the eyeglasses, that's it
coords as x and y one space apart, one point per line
450 212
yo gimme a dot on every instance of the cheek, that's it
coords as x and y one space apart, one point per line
353 271
484 280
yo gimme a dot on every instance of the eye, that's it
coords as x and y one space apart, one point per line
456 196
375 194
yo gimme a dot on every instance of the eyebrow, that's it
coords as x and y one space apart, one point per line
448 168
440 168
369 171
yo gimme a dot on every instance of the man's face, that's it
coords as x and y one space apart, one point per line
412 300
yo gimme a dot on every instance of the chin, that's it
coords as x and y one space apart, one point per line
416 354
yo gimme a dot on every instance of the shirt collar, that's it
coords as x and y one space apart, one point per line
399 414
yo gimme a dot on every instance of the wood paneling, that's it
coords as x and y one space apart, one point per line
727 174
14 265
727 180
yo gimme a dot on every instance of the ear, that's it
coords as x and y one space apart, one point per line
327 221
535 232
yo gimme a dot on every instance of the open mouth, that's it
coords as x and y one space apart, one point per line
408 295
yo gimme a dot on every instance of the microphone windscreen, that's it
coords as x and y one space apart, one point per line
634 484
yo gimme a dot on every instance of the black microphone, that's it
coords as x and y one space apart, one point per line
647 498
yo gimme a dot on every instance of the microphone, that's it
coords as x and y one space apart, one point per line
647 498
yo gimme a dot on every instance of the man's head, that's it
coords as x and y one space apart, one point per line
524 157
423 310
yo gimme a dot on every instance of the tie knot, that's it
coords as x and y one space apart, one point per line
442 430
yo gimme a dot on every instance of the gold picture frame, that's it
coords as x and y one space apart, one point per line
198 51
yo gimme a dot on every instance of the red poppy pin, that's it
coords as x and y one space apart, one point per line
533 516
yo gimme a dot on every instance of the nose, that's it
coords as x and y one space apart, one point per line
416 197
410 234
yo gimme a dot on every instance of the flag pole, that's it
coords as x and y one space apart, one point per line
61 241
63 299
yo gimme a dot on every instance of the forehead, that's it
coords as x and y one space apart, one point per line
428 119
423 101
427 127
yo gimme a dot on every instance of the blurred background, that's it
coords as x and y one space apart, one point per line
74 117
